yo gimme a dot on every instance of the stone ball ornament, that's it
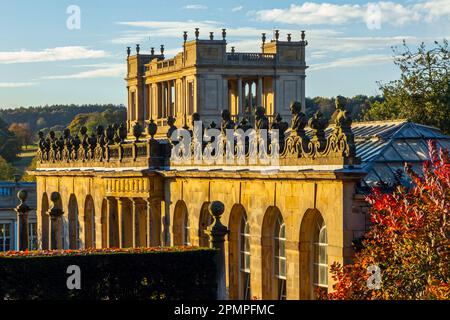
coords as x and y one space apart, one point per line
22 195
217 208
54 197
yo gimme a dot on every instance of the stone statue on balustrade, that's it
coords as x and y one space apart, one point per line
227 122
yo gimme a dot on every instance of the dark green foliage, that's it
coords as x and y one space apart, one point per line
156 275
357 105
92 120
50 116
422 94
9 143
7 171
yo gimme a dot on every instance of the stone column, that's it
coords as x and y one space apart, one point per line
259 93
240 96
302 93
56 222
22 220
217 232
120 212
134 213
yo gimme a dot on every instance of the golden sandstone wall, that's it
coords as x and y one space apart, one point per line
300 198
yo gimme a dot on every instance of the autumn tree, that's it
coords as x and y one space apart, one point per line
408 240
422 94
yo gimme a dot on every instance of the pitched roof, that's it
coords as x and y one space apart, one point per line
385 146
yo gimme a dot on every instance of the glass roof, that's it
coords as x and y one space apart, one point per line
385 147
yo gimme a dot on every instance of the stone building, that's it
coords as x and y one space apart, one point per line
8 216
121 187
206 79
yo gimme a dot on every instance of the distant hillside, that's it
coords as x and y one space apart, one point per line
43 117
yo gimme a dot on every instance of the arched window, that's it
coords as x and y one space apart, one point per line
89 223
45 223
205 221
280 257
74 225
244 261
321 258
186 230
181 226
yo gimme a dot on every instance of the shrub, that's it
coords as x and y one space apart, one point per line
110 274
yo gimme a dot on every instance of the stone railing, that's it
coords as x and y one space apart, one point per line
250 58
294 145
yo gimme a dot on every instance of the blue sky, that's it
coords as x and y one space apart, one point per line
44 62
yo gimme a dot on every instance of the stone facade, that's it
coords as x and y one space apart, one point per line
205 78
120 187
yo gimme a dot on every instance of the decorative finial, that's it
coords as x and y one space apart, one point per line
138 48
152 128
233 50
128 51
224 34
185 36
216 208
152 51
162 49
197 33
211 36
303 35
277 34
22 195
263 38
289 37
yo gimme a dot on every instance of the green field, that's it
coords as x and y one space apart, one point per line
25 159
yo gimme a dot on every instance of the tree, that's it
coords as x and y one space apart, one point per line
92 120
7 171
23 132
422 94
32 166
408 241
9 143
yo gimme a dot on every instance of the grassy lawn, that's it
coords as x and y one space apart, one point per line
25 158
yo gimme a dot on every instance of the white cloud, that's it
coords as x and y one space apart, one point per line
195 7
174 29
49 55
434 9
369 59
16 84
236 9
310 13
106 71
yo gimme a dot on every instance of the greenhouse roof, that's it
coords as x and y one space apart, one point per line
385 146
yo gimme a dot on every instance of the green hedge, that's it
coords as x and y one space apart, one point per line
161 274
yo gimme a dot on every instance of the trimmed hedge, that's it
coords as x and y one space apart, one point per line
139 274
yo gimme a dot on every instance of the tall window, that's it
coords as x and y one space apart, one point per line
191 98
280 257
5 236
244 261
321 258
186 230
32 236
